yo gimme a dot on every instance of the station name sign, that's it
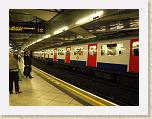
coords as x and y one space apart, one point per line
31 28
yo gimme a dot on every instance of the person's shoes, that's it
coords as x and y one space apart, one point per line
31 77
11 93
18 92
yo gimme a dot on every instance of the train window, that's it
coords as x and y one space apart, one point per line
51 52
135 48
78 51
92 50
60 51
112 49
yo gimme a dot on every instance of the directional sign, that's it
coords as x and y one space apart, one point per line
18 27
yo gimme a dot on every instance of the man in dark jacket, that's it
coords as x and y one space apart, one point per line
27 63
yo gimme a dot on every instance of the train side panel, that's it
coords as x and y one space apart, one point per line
55 55
51 55
35 54
46 54
92 55
39 54
61 54
67 54
114 55
78 55
134 56
111 55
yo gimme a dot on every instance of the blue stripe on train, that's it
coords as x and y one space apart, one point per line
112 67
78 63
60 61
50 60
104 66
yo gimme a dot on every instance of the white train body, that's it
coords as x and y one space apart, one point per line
120 54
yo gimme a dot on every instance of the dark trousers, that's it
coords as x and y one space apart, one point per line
13 77
27 71
29 75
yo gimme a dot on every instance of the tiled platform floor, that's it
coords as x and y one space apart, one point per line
38 92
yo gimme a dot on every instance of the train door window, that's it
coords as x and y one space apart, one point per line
112 49
92 50
68 51
135 48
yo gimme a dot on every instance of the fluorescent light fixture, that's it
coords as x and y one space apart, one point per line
89 18
61 30
47 36
39 40
33 43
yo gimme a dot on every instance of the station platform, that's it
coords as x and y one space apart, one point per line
47 90
38 92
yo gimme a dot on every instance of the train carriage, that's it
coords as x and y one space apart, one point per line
114 55
118 55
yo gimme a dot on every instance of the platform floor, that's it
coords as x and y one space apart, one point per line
38 92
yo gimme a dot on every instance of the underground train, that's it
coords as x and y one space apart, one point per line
118 55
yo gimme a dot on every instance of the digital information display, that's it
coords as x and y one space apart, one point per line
26 28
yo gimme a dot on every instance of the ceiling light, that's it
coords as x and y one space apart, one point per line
90 30
89 18
39 40
47 36
61 30
98 30
33 43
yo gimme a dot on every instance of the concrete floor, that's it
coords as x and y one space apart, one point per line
38 92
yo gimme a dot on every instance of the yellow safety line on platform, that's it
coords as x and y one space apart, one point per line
79 93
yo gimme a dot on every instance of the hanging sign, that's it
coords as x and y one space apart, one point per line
32 28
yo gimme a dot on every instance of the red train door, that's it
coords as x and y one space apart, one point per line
67 56
55 54
134 56
92 55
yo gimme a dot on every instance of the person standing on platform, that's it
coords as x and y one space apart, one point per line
13 74
27 63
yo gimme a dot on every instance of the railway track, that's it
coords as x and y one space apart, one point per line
109 90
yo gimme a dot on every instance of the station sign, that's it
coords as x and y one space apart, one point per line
30 28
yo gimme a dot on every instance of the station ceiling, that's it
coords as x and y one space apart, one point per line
52 19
